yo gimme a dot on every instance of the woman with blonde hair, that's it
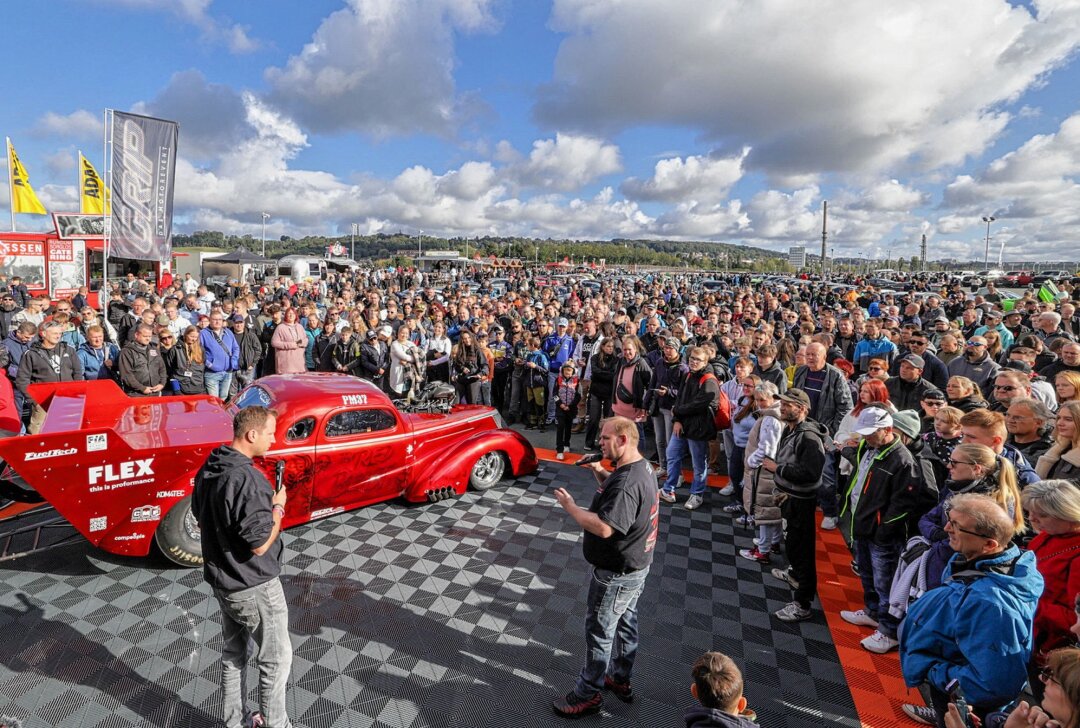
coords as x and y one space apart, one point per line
964 395
1062 460
1067 387
972 469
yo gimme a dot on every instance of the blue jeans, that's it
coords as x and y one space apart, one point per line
258 616
877 564
611 629
736 468
218 383
827 492
699 457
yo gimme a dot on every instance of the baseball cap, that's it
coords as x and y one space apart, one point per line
1020 366
796 396
562 322
371 334
907 421
871 420
203 316
1014 312
914 360
993 314
386 331
237 318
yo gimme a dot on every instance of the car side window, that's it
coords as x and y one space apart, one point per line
301 430
360 422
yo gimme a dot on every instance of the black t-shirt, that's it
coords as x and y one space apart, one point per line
629 502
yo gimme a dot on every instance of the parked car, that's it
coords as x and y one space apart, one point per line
1052 276
122 470
1018 277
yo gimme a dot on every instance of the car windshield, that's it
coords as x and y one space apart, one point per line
253 397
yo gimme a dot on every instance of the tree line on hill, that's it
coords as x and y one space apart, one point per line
398 247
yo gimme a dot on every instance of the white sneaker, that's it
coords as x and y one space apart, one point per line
693 502
879 643
560 455
828 523
859 617
727 489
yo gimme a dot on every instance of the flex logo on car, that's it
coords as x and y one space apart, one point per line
121 475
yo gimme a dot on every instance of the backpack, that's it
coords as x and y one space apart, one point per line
722 415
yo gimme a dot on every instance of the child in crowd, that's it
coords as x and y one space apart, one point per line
567 397
536 367
718 687
942 440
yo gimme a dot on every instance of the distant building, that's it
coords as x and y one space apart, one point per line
797 257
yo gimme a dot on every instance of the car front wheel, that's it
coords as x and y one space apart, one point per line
487 471
178 535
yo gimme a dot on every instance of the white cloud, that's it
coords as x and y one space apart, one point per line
837 86
382 67
197 13
567 163
212 116
693 178
80 125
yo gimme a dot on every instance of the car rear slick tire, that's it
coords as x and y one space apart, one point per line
487 471
178 536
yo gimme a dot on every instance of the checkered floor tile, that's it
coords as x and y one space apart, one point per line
467 612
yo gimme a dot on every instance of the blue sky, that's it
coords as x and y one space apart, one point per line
715 120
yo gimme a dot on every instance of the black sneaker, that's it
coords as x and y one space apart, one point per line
622 691
574 707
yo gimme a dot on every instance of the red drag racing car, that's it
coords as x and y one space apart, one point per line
121 469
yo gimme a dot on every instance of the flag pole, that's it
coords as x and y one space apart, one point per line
11 181
78 182
104 294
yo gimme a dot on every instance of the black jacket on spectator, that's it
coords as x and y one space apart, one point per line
699 396
188 374
36 366
140 367
251 349
889 498
602 373
906 395
835 401
800 459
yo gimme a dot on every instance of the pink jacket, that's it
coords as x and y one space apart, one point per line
288 354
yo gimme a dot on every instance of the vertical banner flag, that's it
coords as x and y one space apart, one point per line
23 198
141 175
94 197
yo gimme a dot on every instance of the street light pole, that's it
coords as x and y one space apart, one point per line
986 254
265 217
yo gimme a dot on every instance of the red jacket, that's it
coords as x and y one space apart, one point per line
1058 560
9 413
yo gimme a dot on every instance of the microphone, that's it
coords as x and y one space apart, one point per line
591 458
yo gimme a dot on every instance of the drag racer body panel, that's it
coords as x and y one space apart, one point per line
115 467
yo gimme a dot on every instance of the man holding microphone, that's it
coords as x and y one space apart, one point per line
620 529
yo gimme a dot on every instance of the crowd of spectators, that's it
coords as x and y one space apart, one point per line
936 428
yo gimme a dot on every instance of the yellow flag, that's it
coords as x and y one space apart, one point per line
23 198
92 201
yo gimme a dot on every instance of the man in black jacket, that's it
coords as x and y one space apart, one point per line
47 360
240 516
908 388
372 364
830 400
879 502
692 428
141 366
800 458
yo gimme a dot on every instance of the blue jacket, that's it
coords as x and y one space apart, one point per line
975 627
223 357
559 350
867 349
93 360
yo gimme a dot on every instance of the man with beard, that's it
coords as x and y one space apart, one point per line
800 459
976 364
8 309
908 388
